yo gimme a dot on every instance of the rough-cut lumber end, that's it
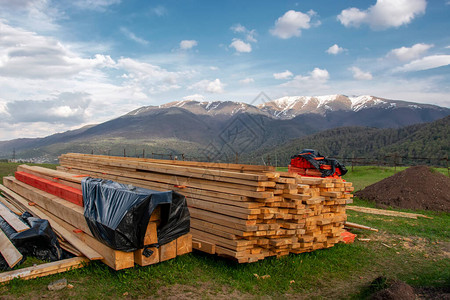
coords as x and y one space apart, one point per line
168 251
142 260
184 244
44 269
203 246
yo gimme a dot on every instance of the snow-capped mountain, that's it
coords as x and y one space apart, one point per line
287 107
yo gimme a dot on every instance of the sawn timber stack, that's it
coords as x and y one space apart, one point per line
244 212
38 190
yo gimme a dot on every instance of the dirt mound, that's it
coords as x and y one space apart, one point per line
414 188
397 290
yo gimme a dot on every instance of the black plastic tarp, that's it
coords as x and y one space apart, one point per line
39 241
118 214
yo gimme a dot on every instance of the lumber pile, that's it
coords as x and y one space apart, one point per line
243 212
55 196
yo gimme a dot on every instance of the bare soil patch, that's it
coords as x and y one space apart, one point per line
414 188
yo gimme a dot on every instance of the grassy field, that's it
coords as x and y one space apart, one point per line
413 250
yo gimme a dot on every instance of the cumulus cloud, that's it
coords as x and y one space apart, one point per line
247 80
425 63
67 108
250 35
133 37
291 23
241 46
335 49
188 44
358 74
283 75
315 79
384 14
407 54
209 86
196 97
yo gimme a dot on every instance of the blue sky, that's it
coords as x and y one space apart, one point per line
65 64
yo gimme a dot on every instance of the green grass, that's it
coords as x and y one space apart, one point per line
412 250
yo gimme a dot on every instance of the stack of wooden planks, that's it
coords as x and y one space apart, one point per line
54 195
244 212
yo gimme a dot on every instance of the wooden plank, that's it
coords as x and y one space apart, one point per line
168 251
359 226
65 192
212 165
69 236
231 222
45 269
9 251
12 219
10 206
204 246
211 174
151 234
184 244
384 212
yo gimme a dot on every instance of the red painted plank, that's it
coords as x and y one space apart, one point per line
60 190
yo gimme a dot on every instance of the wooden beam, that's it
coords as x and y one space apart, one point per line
44 269
60 190
9 251
10 206
359 226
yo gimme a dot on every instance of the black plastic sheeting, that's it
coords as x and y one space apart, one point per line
118 214
39 241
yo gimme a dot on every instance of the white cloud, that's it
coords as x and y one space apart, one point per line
95 4
291 23
26 54
238 28
425 63
250 35
384 14
66 108
133 37
159 10
358 74
214 86
407 54
335 49
283 75
241 46
247 80
188 44
196 97
317 76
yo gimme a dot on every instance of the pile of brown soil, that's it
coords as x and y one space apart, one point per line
397 290
414 188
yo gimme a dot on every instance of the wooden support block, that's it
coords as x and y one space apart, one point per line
184 244
168 251
9 251
143 260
